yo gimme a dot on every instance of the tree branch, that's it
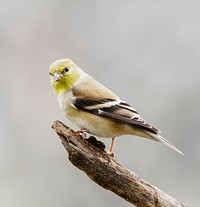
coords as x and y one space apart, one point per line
89 156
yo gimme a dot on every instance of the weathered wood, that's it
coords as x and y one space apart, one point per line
109 174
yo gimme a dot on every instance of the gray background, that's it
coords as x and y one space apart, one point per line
145 51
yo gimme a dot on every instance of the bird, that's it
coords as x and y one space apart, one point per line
95 109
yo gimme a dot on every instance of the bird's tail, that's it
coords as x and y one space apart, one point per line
159 138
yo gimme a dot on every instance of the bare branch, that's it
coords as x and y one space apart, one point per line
90 157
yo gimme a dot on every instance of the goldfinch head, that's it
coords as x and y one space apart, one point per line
64 73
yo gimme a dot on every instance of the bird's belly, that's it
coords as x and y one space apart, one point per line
96 125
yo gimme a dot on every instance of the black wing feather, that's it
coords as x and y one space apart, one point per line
113 112
82 103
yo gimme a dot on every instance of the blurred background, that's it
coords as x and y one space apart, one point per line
147 52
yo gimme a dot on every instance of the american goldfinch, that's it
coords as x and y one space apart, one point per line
96 109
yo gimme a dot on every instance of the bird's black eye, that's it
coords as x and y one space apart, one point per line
66 69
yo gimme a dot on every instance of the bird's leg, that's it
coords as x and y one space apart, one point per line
82 132
110 151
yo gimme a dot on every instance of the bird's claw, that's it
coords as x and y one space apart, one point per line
82 132
111 153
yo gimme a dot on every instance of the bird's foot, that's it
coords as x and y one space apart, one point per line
82 132
111 153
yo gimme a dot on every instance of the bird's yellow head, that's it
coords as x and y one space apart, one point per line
64 73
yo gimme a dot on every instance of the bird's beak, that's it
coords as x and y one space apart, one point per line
57 77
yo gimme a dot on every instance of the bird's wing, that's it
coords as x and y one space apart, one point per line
114 109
